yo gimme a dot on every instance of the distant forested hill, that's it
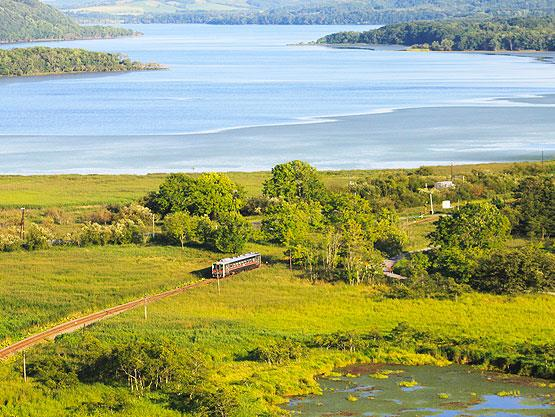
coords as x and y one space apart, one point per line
298 11
24 20
41 61
530 33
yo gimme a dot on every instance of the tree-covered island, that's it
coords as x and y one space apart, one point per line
515 34
43 61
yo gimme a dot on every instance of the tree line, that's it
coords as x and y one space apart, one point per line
345 235
513 34
376 12
42 60
33 20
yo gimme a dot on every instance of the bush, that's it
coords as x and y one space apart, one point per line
278 352
94 234
101 216
127 231
58 216
10 241
37 237
528 269
350 342
138 214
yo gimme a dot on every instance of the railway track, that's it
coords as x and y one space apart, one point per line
81 322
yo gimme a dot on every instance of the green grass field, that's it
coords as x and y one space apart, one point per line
92 190
42 288
271 303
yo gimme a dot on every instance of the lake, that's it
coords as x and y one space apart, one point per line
242 98
430 391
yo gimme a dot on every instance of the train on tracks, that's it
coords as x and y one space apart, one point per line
230 266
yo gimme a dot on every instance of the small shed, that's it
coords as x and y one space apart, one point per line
442 185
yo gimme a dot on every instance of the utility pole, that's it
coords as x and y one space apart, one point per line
22 225
145 304
24 367
153 224
431 198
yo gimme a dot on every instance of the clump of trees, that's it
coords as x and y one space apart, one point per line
278 352
42 60
331 236
128 225
182 378
470 34
203 209
470 251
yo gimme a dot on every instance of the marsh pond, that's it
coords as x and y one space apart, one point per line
376 390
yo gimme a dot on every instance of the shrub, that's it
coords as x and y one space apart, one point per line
101 216
10 241
37 237
138 214
510 271
278 352
94 234
127 231
57 216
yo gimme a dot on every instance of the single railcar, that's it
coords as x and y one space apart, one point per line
230 266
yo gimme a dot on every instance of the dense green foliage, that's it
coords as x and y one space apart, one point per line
41 60
298 11
479 226
206 195
27 20
295 180
460 35
536 206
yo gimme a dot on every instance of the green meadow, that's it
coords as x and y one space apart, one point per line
39 289
271 304
42 191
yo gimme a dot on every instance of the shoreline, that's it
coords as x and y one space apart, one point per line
86 38
550 58
147 67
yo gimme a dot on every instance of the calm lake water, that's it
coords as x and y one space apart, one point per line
245 98
444 392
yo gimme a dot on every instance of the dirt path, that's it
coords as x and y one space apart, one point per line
81 322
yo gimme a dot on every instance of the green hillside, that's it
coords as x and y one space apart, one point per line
297 11
26 20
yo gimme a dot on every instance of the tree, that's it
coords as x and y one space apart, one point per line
295 180
477 225
231 234
209 195
288 221
535 206
180 226
509 271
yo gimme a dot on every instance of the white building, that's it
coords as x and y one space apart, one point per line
442 185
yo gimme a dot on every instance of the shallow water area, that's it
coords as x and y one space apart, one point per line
427 391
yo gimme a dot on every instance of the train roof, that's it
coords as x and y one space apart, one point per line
238 258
